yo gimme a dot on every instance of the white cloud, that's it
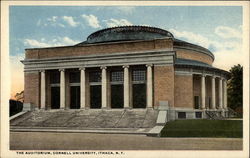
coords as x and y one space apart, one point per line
61 25
190 36
91 20
114 22
225 59
227 32
227 53
70 21
52 19
59 41
35 43
68 41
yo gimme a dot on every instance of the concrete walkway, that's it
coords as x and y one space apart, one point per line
91 141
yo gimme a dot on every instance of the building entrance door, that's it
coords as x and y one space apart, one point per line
117 96
139 95
95 96
55 97
74 97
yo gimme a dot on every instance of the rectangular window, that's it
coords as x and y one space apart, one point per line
198 114
117 76
196 102
139 75
95 76
181 115
74 77
54 77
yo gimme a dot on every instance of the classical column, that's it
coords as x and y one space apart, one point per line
104 87
62 88
126 86
43 89
220 94
82 88
203 92
225 93
149 86
213 93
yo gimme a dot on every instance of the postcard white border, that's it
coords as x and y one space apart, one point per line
5 76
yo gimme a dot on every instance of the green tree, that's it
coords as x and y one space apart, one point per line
235 88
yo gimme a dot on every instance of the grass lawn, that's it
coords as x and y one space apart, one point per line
203 128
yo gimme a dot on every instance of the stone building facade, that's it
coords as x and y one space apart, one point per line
127 67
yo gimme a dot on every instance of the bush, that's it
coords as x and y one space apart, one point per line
15 107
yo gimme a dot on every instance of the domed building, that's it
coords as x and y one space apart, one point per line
127 67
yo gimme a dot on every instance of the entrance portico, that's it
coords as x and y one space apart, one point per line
107 77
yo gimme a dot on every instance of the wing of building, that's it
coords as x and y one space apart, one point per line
127 67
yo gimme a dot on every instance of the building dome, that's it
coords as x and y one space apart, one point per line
127 33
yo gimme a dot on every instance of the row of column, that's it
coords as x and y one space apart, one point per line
104 87
222 93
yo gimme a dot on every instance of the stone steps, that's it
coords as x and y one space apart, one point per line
88 119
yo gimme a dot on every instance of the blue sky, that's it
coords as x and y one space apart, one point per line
218 28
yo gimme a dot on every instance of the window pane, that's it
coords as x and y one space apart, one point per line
181 115
95 76
54 77
198 114
74 77
117 76
139 75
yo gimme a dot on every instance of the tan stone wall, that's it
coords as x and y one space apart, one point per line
163 84
192 55
183 91
32 88
98 49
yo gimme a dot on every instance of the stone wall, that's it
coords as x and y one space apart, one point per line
32 88
105 48
192 55
163 84
183 91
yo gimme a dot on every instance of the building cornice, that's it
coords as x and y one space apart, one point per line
157 57
200 70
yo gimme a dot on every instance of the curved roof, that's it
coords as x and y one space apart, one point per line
127 33
186 63
133 33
